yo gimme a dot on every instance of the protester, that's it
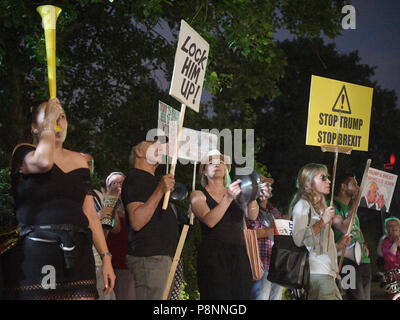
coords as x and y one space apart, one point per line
223 267
50 186
346 190
311 219
263 289
153 232
391 253
117 242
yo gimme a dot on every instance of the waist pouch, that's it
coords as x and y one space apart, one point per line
65 234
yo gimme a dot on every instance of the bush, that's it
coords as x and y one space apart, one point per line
7 216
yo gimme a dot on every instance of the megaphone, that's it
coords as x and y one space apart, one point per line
251 188
353 252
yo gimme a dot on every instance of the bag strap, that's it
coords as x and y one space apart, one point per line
244 222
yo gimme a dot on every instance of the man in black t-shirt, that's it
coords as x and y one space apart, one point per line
153 232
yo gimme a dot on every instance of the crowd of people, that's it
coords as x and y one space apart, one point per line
119 243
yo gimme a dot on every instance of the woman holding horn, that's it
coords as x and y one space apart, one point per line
50 185
311 219
223 267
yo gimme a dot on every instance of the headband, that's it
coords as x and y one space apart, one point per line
115 173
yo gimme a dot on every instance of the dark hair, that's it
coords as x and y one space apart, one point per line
342 179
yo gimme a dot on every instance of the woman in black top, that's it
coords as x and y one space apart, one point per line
50 186
223 267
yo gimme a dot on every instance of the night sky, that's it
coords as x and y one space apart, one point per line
376 38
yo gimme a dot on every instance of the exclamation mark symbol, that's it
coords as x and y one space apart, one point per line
197 91
342 101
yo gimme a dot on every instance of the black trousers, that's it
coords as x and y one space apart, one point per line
362 290
223 271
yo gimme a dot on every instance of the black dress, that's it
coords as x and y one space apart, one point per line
49 208
223 267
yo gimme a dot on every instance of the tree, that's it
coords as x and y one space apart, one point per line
109 52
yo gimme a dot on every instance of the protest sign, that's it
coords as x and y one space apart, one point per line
331 100
189 68
378 190
193 145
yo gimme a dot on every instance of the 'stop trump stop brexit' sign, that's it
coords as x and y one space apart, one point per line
331 100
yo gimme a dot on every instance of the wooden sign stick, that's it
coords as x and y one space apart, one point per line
357 200
193 188
334 178
179 248
175 157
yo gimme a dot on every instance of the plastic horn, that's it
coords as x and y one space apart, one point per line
49 16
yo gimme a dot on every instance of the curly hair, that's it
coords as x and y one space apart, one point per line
306 189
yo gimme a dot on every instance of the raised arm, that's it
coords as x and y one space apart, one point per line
209 217
42 158
140 213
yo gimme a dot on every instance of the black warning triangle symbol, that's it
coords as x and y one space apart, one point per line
342 103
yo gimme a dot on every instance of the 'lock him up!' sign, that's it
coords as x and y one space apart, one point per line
189 68
339 113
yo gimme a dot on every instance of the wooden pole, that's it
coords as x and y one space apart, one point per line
175 261
332 195
357 200
175 157
333 180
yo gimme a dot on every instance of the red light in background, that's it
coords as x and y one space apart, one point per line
392 159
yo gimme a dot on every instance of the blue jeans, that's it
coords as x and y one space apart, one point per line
266 290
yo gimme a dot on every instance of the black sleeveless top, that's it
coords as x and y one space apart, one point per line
53 197
229 228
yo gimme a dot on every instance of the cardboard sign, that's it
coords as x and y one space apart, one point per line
331 100
283 227
194 145
168 119
189 68
378 190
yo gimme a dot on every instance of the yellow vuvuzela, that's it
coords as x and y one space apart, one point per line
49 16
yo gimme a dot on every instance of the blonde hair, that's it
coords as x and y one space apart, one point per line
372 185
306 189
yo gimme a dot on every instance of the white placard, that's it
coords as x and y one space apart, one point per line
195 145
168 119
378 190
189 67
283 227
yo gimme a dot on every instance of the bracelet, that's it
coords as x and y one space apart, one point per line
102 255
254 207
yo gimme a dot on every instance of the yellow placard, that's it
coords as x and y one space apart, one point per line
331 100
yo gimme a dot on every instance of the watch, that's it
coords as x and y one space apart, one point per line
102 255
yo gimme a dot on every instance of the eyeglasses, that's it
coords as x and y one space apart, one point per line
325 177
